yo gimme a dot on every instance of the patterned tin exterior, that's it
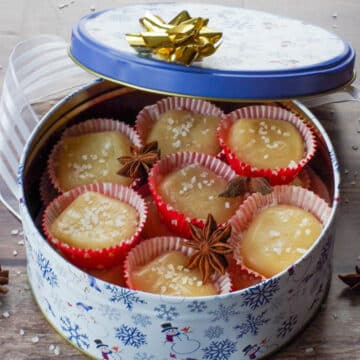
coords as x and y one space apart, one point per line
110 322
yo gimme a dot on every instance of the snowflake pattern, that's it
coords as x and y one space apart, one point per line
219 350
130 336
197 306
141 320
251 325
144 356
324 255
287 326
261 294
165 312
20 170
110 312
125 296
214 332
47 271
73 333
224 313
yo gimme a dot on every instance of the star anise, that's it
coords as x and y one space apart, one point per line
352 280
4 279
139 162
241 185
210 247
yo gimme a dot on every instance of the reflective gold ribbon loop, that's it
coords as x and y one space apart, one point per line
184 39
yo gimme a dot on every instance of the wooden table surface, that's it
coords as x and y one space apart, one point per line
335 331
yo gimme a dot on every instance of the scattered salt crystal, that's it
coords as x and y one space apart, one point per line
307 231
15 253
51 347
266 156
355 147
21 332
6 314
57 350
21 233
92 8
300 250
334 15
35 339
21 242
334 26
176 144
274 233
292 164
309 350
334 316
174 222
14 232
62 6
227 205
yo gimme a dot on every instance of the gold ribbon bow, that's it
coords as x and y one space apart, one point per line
184 39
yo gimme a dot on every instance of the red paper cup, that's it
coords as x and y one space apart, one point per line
275 176
149 249
242 277
284 194
174 219
47 191
88 127
147 117
90 258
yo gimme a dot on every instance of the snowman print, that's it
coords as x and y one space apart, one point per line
179 339
107 353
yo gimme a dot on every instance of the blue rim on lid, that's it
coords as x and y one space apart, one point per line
321 61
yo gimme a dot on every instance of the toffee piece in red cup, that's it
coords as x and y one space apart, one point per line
159 265
88 153
187 187
272 232
266 141
94 226
180 124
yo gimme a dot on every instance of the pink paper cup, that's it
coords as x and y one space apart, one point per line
284 194
95 258
174 219
88 127
148 117
277 176
149 249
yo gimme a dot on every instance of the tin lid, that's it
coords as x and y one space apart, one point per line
262 56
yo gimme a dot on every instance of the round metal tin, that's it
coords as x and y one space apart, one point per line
89 312
263 56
